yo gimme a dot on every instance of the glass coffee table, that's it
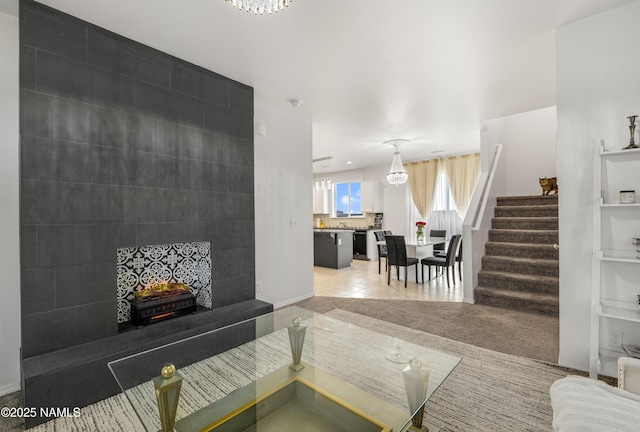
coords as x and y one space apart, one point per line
243 378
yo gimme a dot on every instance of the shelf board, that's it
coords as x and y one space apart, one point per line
625 256
605 152
624 311
616 204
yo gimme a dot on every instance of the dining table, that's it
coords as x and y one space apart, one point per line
420 249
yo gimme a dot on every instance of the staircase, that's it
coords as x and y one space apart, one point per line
520 266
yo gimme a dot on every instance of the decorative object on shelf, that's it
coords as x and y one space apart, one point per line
632 129
168 386
416 381
397 175
296 339
638 298
396 356
420 232
260 6
636 242
627 197
549 185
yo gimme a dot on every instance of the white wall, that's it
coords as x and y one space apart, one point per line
530 150
283 206
9 223
598 87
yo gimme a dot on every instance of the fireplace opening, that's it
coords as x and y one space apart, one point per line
159 282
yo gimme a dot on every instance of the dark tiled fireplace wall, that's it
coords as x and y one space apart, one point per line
122 145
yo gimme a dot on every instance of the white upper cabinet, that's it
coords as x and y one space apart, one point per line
321 201
372 197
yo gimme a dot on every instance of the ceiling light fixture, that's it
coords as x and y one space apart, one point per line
260 6
397 175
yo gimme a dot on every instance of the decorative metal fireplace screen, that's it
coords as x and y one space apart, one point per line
141 267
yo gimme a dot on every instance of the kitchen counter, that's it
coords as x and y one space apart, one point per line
332 248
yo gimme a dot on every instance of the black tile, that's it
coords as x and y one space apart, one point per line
84 122
228 264
48 159
27 67
128 131
224 206
53 330
232 234
37 289
161 205
237 178
70 203
249 261
28 246
43 115
229 291
51 30
131 168
67 78
167 233
241 98
186 142
228 121
234 151
118 54
201 83
167 105
86 284
189 174
60 245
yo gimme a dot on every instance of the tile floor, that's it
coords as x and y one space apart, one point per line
362 280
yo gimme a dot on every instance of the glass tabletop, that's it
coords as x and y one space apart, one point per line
350 375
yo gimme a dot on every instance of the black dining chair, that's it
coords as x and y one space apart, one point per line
382 250
439 250
446 262
397 256
459 260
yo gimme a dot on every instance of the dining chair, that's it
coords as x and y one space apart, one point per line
382 250
446 262
439 249
459 260
397 256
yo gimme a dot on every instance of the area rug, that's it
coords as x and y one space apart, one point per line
487 391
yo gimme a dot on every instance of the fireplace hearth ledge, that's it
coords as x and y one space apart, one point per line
78 376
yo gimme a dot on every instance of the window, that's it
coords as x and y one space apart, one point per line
348 199
442 199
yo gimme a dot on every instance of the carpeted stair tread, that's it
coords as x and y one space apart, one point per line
526 211
519 282
524 250
533 266
523 236
525 223
527 200
534 302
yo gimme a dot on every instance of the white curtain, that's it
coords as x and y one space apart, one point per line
422 181
462 172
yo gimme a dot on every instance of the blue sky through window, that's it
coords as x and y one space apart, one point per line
348 199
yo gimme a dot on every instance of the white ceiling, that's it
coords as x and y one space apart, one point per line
366 70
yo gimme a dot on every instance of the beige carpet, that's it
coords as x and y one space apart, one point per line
514 332
488 390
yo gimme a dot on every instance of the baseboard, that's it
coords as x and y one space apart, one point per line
469 300
9 388
293 300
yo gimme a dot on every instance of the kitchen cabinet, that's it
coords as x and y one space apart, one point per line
372 194
332 248
615 316
372 245
321 201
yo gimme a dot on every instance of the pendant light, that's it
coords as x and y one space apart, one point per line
397 175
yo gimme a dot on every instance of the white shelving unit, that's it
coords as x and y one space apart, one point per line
616 266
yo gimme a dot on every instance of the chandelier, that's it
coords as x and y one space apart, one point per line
260 6
397 175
